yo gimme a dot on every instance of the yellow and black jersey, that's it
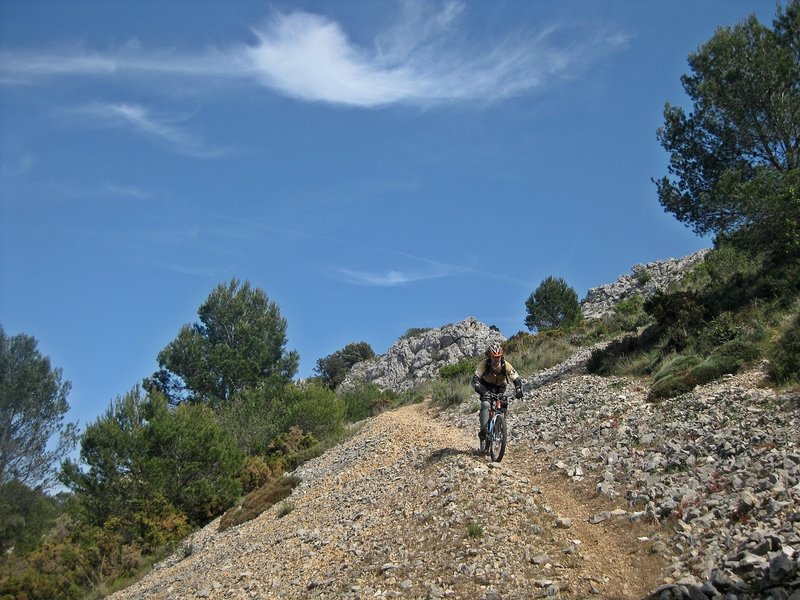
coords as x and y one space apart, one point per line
486 374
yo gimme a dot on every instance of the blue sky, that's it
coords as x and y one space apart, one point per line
372 166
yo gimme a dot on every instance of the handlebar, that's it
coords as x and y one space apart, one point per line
497 401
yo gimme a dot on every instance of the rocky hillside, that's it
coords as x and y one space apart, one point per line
645 280
601 494
715 473
406 509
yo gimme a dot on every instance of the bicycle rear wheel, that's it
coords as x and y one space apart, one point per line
498 447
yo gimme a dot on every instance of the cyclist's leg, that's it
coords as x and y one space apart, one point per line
484 417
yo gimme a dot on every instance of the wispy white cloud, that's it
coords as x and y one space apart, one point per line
424 58
142 120
431 270
450 269
127 192
392 278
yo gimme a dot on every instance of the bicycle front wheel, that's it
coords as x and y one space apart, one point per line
498 447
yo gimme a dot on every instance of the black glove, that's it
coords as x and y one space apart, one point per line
478 386
518 392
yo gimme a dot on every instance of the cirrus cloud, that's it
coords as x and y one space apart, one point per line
142 120
423 58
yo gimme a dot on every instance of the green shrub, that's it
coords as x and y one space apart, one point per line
255 417
33 584
290 450
713 368
382 403
592 331
677 316
414 332
316 410
303 455
474 530
785 356
519 341
722 329
446 393
531 353
358 403
641 274
670 386
366 401
255 473
781 282
638 364
412 396
461 371
604 361
292 441
141 450
726 310
258 501
682 373
333 368
719 267
673 378
194 461
676 364
285 508
738 352
26 514
629 314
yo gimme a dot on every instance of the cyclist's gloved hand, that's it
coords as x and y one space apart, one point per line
518 393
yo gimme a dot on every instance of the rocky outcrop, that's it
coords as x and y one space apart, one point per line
646 280
416 359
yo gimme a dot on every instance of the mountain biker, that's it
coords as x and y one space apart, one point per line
491 375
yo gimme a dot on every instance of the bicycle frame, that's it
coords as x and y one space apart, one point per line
498 403
498 406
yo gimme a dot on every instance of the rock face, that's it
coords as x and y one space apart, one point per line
646 280
416 359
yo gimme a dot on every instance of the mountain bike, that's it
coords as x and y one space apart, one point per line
495 442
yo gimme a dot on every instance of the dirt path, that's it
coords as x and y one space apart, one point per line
612 563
